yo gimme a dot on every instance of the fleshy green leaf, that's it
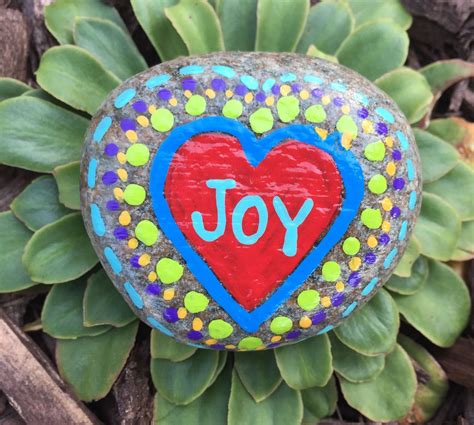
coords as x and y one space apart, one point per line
409 257
164 347
110 45
431 390
283 407
328 25
183 382
320 402
410 285
280 24
431 149
74 76
316 53
103 304
297 365
442 74
9 87
440 309
448 188
374 49
465 248
438 228
62 314
91 364
258 372
59 16
64 242
35 143
220 366
372 330
160 31
198 25
67 179
38 204
239 23
209 409
14 235
390 395
353 366
409 89
373 10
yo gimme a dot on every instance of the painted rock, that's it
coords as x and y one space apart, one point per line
245 201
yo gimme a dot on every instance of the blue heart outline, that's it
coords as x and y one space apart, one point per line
255 151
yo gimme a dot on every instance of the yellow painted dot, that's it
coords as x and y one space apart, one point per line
276 338
391 168
144 260
248 97
151 109
321 132
182 312
326 302
122 158
123 175
168 294
260 347
372 241
346 140
367 126
229 93
305 322
188 93
345 109
211 94
152 276
304 94
387 204
339 286
355 263
326 100
285 89
269 101
173 101
125 218
133 243
230 346
386 226
197 324
143 121
210 341
118 193
131 135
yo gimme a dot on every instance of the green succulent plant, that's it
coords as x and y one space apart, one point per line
44 242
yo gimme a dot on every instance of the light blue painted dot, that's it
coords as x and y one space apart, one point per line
153 322
225 71
362 98
268 84
250 82
326 329
123 98
412 200
410 170
312 79
403 140
101 129
386 115
338 87
134 295
370 287
158 80
191 70
349 309
97 221
113 260
288 77
91 173
389 258
403 231
195 345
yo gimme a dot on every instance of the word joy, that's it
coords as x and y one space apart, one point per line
250 201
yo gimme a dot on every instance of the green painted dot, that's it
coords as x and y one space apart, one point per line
331 271
261 120
134 194
162 120
378 184
168 270
280 325
346 124
250 343
308 299
146 232
351 246
138 154
288 108
195 302
219 329
315 113
196 105
372 218
232 109
375 151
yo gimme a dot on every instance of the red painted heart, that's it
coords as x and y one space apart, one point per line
291 171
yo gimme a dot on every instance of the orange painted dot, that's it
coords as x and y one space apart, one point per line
326 302
182 312
355 263
248 97
372 241
118 193
345 109
144 260
321 132
210 341
133 243
276 338
391 168
122 158
125 218
230 346
260 347
143 121
389 141
131 135
152 276
123 175
168 294
188 93
387 204
173 101
386 226
346 140
152 109
326 100
197 324
367 126
304 94
229 93
305 322
339 286
285 89
270 100
211 94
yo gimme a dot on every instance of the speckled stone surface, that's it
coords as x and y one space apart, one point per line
246 201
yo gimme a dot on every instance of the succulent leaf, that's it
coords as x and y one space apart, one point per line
465 248
319 402
67 179
315 52
392 10
9 87
412 284
412 252
165 347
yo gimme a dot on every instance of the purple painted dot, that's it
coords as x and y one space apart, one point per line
189 84
164 94
218 346
399 183
111 149
370 258
354 279
109 178
319 317
194 335
273 345
218 84
240 89
260 97
134 261
293 334
275 89
337 299
153 289
363 113
384 239
140 106
397 155
338 101
295 88
171 315
127 124
120 233
112 205
395 212
317 93
381 128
